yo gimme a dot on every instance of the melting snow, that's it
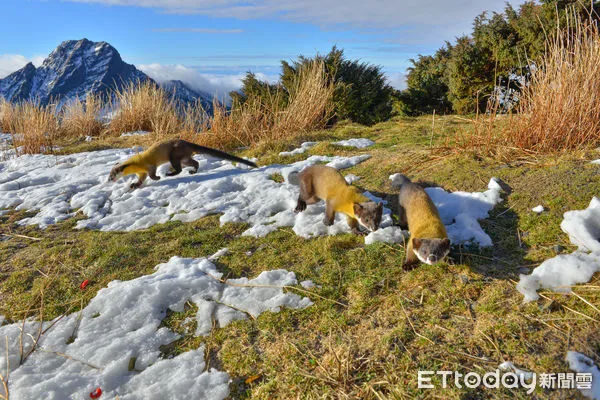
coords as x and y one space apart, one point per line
583 364
123 321
59 186
538 209
358 143
136 133
351 178
565 270
300 150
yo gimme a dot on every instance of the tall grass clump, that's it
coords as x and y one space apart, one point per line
276 115
144 106
35 127
82 117
7 115
560 108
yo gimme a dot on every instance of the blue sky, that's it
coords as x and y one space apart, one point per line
211 43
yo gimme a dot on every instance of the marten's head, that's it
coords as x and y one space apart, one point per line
369 214
431 251
116 172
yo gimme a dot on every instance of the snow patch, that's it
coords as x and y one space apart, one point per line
300 150
565 270
583 364
136 133
358 143
390 234
123 321
538 209
351 178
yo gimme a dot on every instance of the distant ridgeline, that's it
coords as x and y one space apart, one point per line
78 67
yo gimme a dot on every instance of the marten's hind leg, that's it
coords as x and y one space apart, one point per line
152 173
190 162
175 165
306 195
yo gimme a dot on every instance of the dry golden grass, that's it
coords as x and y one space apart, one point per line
7 115
35 128
82 117
144 106
560 109
264 119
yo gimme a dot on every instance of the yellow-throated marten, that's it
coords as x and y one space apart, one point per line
178 152
428 240
320 182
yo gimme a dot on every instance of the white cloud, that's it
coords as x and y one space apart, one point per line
9 63
425 15
397 80
215 84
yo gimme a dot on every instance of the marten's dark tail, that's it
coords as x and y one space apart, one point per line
220 154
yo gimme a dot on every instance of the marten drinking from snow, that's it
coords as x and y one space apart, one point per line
428 240
320 182
178 152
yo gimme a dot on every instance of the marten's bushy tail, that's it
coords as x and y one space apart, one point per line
221 154
398 180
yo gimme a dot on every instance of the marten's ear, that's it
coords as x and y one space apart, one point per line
416 243
446 242
358 209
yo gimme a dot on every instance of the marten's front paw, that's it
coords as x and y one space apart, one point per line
327 221
410 265
299 208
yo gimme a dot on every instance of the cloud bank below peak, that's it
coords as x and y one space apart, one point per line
215 84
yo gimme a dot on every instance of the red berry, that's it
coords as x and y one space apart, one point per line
84 284
96 393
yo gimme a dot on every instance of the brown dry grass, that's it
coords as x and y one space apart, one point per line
144 106
35 128
82 117
560 109
264 119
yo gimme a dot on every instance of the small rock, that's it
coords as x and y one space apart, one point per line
463 278
558 248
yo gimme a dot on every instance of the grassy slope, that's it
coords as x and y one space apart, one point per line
372 326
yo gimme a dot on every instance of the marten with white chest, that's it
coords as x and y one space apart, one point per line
320 182
428 240
178 152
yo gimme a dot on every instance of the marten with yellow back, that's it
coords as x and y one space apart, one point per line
320 182
178 152
428 240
